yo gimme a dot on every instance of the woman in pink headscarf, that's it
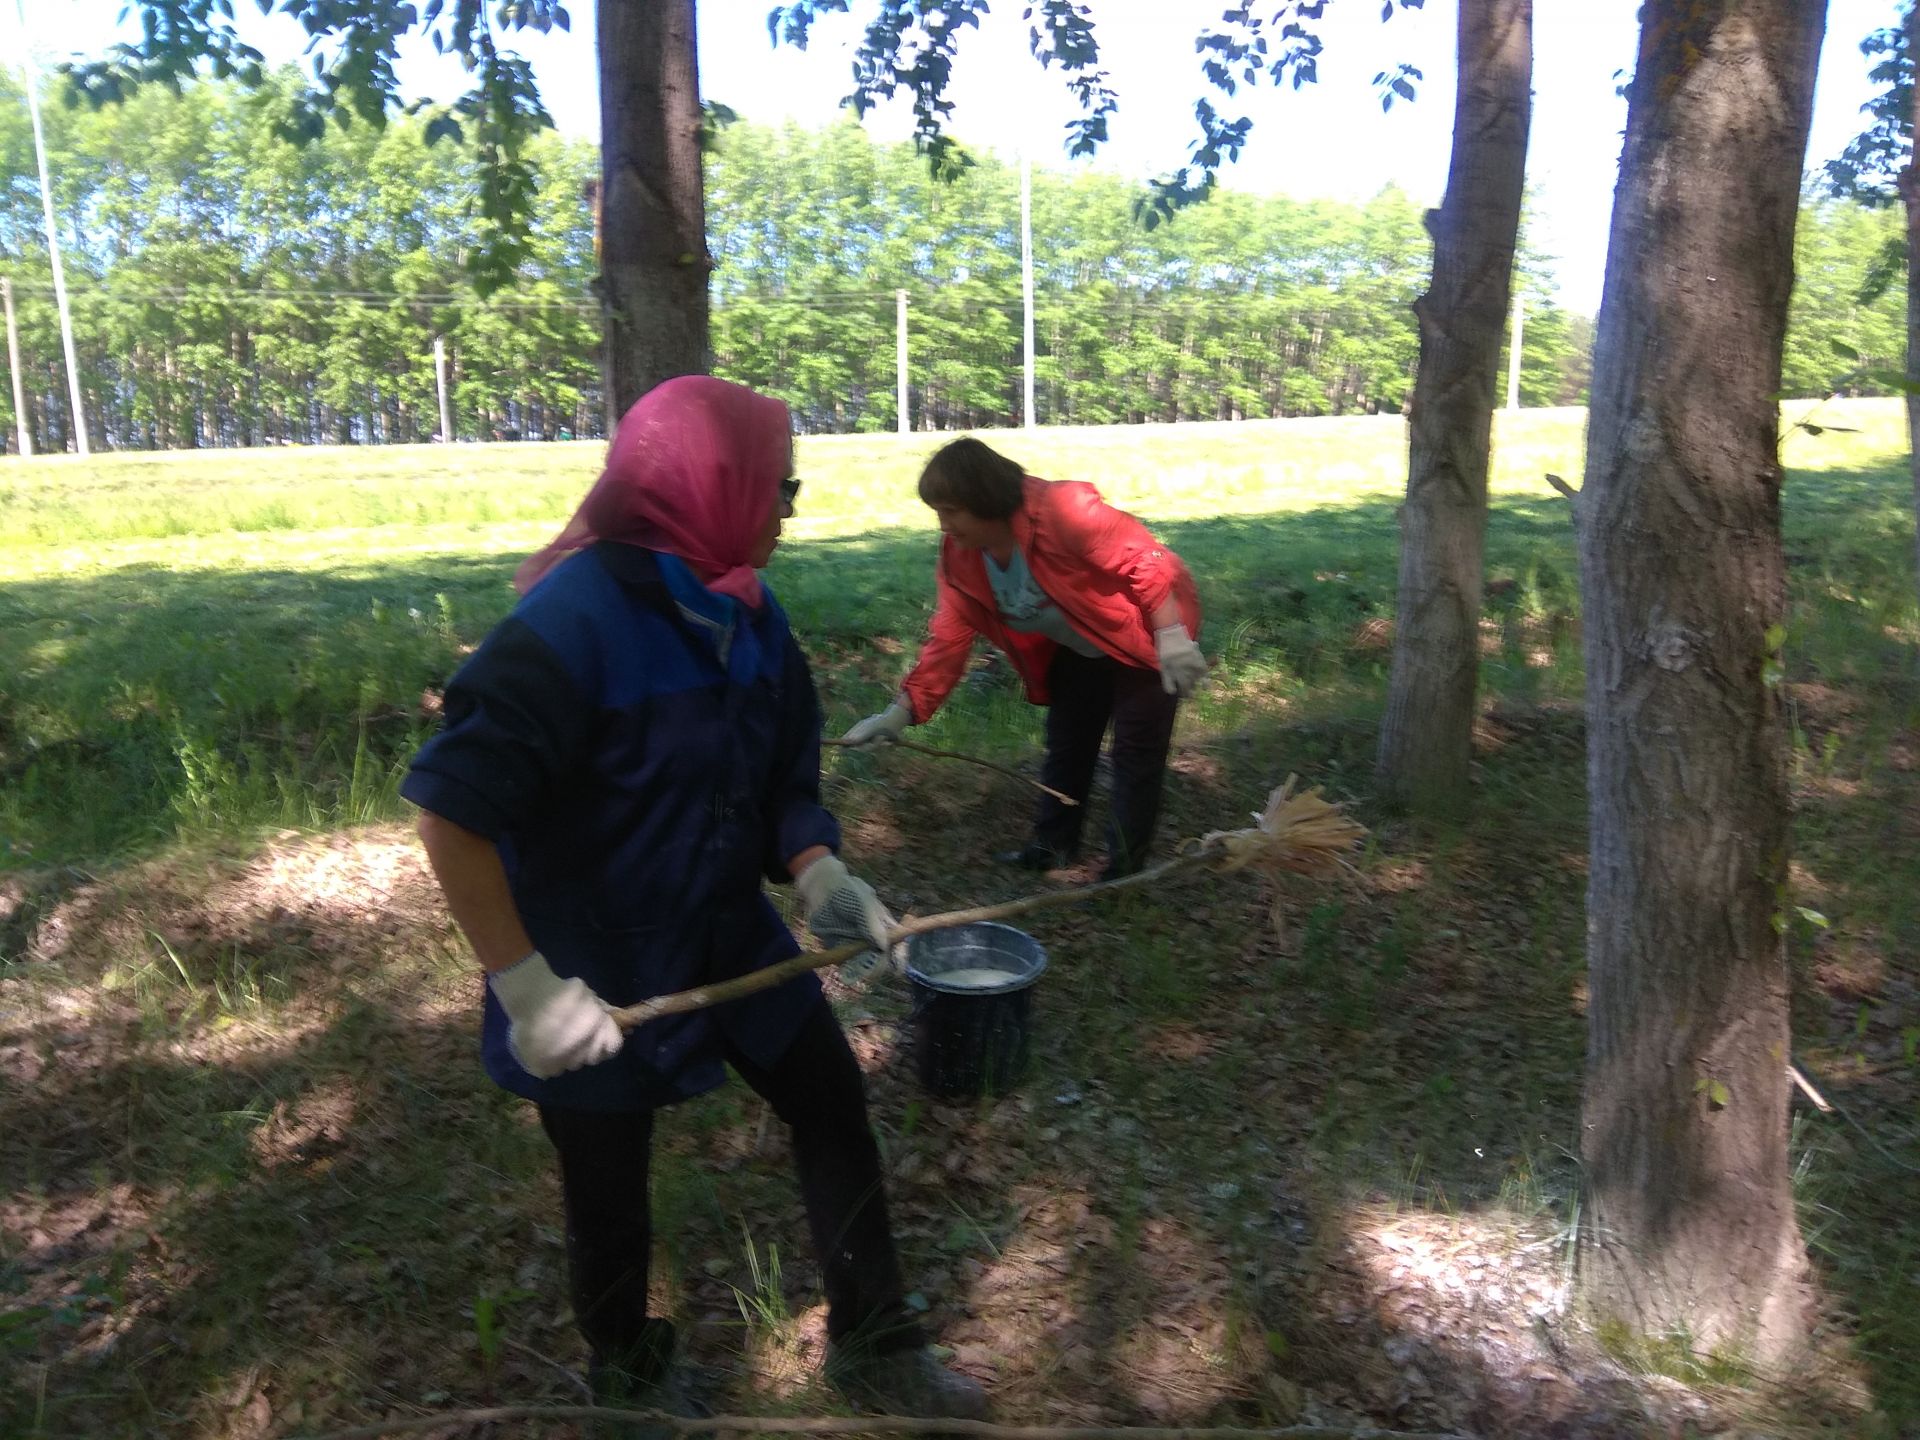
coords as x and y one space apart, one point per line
625 761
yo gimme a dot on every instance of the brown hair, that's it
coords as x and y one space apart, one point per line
975 477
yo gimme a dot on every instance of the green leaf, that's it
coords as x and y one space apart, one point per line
1718 1095
1776 636
1844 350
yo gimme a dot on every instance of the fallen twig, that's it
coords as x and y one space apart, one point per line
1300 834
1812 1094
920 749
866 1425
1827 1107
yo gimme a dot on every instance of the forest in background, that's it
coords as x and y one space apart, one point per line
232 289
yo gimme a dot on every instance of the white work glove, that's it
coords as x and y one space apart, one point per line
1182 666
555 1025
882 729
843 910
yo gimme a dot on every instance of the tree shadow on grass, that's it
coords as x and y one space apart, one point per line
144 702
1269 1115
1324 1173
1245 1183
207 1232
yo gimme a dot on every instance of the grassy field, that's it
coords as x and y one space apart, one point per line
251 1183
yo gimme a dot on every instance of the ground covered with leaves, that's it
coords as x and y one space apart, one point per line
253 1184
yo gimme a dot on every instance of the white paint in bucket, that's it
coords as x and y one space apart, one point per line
975 978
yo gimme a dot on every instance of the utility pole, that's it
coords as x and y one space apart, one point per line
13 369
900 360
440 378
1026 286
1513 350
27 70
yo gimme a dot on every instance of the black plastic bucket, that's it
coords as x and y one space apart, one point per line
974 1038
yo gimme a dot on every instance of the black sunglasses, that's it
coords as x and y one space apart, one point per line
789 489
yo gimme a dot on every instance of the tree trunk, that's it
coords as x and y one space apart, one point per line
1683 587
653 242
1426 738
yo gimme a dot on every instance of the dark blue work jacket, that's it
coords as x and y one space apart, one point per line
644 752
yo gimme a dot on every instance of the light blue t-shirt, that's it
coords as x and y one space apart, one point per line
1025 606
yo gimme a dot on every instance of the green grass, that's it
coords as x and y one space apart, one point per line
202 643
197 644
213 669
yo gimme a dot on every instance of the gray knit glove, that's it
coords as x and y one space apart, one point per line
842 909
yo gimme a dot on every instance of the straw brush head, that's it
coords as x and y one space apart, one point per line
1303 834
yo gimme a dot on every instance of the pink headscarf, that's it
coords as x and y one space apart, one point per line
694 470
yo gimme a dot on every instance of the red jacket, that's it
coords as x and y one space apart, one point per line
1100 566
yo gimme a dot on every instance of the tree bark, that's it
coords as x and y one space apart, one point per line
1683 591
653 243
1426 737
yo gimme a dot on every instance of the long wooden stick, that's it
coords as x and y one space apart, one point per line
920 749
865 1425
699 998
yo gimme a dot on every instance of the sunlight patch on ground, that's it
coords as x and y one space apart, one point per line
364 876
1397 877
875 1044
346 899
1807 885
784 1357
1851 965
74 1244
1829 787
1018 1297
1198 767
1061 1307
306 1129
1178 1363
1473 1302
1182 1044
875 833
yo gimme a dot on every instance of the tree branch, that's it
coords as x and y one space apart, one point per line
865 1425
701 997
918 749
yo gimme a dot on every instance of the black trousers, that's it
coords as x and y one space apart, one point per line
1088 694
604 1160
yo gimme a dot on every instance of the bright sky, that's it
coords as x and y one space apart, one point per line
1326 140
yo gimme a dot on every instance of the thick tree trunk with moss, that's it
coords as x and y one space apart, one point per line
1683 593
1426 738
653 241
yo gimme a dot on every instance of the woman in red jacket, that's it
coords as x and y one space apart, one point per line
1097 616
